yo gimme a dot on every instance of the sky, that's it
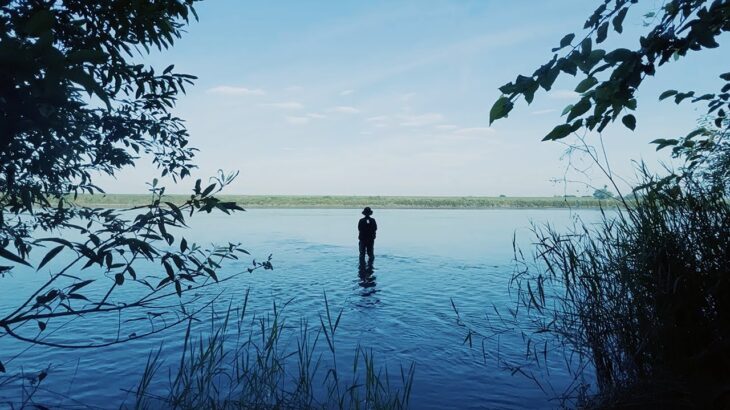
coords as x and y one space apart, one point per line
393 97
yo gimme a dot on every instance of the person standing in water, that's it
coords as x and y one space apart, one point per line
366 234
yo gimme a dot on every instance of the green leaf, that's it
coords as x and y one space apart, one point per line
565 41
77 286
667 94
168 269
500 109
87 81
662 143
119 279
567 109
629 121
586 84
602 32
77 296
568 66
4 253
586 47
39 22
183 245
619 19
620 54
53 252
91 56
559 132
41 326
132 272
725 76
546 80
530 90
212 274
208 190
580 108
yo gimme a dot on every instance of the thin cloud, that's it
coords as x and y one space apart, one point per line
346 92
297 120
474 131
543 112
420 120
345 110
377 118
316 116
236 91
446 127
563 94
287 105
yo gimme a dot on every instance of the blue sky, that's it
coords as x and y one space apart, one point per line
393 98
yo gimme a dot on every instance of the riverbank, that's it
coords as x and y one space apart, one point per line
382 202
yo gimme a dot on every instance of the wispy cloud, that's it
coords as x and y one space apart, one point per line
315 115
297 120
446 127
377 119
346 92
419 120
563 94
345 109
286 105
474 131
543 112
233 90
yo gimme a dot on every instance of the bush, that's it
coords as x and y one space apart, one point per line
643 298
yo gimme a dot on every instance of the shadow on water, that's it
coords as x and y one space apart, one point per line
366 279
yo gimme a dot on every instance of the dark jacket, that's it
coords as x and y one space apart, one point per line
366 228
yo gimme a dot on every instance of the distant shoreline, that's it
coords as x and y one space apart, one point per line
349 202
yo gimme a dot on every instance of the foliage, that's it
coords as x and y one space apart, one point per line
610 78
642 299
355 202
247 363
75 104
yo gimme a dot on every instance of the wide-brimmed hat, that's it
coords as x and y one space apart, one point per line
367 211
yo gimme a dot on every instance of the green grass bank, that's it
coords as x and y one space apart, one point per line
383 202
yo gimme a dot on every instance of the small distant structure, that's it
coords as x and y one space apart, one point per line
603 193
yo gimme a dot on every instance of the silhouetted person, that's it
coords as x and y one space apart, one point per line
366 228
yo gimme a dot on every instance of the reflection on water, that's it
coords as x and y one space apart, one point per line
367 278
367 288
400 307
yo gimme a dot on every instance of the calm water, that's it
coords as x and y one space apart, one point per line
424 258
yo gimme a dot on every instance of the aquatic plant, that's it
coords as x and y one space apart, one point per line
640 301
54 142
264 362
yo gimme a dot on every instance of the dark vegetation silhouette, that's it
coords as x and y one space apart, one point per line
75 104
641 301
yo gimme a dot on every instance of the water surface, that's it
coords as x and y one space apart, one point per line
403 312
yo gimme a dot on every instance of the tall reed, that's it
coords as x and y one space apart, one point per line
264 363
643 299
